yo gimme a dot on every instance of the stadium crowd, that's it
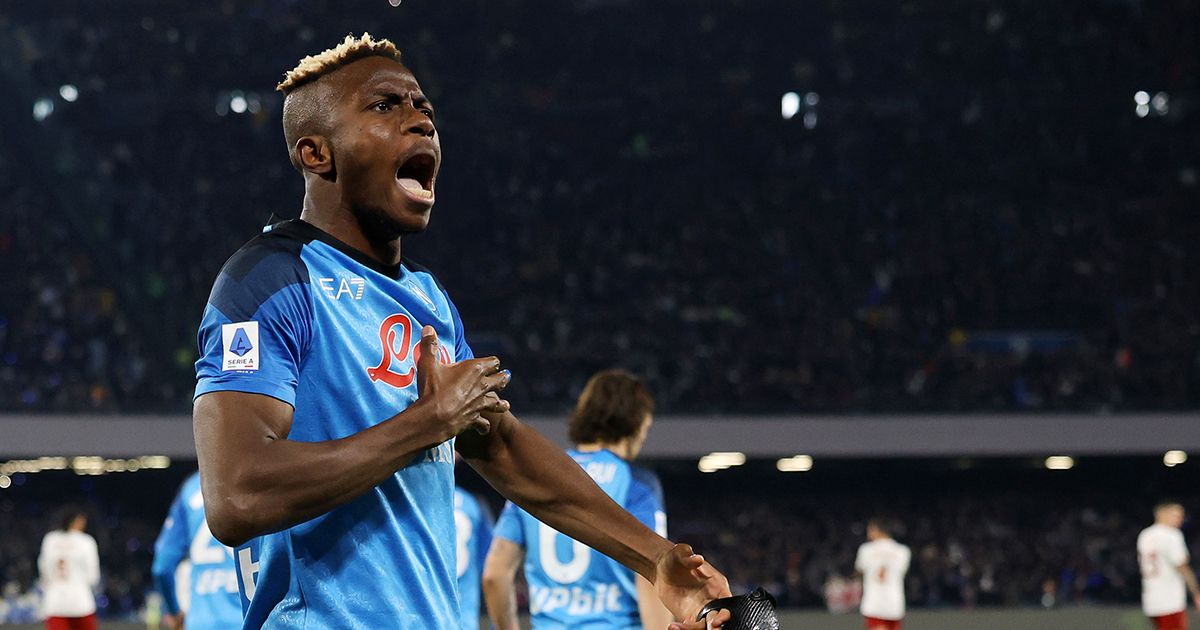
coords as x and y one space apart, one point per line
966 213
979 542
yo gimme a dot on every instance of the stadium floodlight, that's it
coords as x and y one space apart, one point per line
5 481
1174 458
237 102
789 105
1160 103
796 463
1060 462
1142 97
68 92
42 108
720 460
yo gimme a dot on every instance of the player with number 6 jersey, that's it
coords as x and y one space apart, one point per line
213 602
883 563
570 585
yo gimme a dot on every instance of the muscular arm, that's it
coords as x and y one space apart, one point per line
256 481
535 474
1189 577
538 476
499 573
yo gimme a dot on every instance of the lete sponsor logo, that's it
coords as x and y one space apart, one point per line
401 350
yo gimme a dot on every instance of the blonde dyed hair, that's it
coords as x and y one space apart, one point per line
351 49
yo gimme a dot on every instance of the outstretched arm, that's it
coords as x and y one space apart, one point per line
538 476
257 481
499 573
1189 577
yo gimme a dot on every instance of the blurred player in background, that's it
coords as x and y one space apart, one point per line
69 565
1166 575
327 412
473 523
569 584
883 563
213 602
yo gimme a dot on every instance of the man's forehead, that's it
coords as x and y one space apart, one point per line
374 74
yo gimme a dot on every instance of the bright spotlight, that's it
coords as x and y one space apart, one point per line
720 461
1060 462
237 104
1174 458
1142 97
1160 102
790 105
797 463
42 108
68 92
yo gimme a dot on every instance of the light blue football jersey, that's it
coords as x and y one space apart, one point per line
570 585
214 603
300 316
474 525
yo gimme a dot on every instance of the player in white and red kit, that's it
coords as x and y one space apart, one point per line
70 569
882 562
1166 575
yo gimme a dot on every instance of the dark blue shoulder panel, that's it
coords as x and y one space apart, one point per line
260 269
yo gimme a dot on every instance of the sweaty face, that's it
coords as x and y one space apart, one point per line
386 148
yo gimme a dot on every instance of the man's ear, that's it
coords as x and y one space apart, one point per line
314 154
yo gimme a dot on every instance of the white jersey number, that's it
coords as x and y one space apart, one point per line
462 524
205 549
248 568
562 572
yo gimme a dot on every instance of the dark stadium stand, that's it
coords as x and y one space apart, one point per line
978 219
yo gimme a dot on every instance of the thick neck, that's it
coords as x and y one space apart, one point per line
324 209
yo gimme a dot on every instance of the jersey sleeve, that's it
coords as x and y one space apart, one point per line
1177 551
860 560
169 550
256 328
45 562
905 559
92 562
462 350
508 526
645 500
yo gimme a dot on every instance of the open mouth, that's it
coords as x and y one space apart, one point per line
415 176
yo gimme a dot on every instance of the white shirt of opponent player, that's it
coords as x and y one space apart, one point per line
883 563
70 568
1161 550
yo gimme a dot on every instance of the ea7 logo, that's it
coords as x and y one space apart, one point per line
396 339
352 287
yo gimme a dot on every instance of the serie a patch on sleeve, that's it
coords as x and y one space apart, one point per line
240 343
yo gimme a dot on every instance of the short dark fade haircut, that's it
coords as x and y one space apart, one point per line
882 523
68 515
1167 503
612 407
